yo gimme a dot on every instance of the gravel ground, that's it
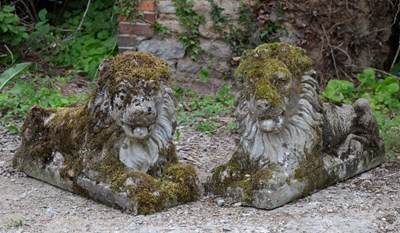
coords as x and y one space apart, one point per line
366 203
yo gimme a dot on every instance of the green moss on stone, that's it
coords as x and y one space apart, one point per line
185 176
167 157
140 69
145 190
225 175
246 188
241 176
178 184
311 172
270 66
261 178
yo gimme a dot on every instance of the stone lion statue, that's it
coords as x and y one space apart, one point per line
290 142
124 133
143 107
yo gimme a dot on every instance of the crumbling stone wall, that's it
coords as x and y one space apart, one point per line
341 36
216 56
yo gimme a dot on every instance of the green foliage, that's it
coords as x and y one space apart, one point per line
204 112
209 126
160 29
15 102
13 72
243 33
181 93
128 9
89 46
191 20
41 36
383 95
82 40
204 75
339 91
396 70
12 32
22 35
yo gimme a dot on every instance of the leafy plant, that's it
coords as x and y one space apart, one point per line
209 127
96 39
245 32
10 24
15 102
41 36
13 72
128 9
203 113
160 29
231 126
191 20
391 138
181 93
339 91
23 35
204 75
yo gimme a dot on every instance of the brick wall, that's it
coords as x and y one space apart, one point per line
130 34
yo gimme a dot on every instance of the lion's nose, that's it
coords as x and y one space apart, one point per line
146 112
262 105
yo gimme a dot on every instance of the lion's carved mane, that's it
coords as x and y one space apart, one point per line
298 135
141 154
140 147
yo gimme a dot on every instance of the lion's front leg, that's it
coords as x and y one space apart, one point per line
353 146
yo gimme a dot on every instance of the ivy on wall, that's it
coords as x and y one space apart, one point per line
128 9
243 33
246 32
191 20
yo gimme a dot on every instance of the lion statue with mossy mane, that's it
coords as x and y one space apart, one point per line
290 143
118 147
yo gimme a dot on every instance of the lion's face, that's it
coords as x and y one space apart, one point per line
271 111
277 106
132 95
134 110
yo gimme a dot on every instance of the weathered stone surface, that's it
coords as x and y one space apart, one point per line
206 30
216 48
172 24
219 65
188 66
230 7
172 65
202 6
117 148
291 143
165 7
165 48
